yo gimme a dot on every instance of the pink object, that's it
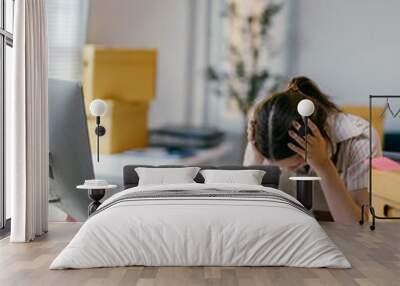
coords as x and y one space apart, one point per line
385 164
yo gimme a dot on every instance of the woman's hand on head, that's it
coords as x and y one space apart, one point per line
317 152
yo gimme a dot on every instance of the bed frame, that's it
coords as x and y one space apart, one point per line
270 179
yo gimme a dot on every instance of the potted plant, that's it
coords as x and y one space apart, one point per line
247 73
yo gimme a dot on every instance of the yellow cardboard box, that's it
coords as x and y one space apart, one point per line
385 190
126 127
127 75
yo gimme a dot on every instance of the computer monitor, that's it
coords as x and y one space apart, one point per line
70 155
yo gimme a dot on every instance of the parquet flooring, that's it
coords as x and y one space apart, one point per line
375 257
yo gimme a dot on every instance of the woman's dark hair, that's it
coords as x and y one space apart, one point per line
275 115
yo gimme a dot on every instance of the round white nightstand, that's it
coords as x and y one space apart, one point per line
96 193
304 189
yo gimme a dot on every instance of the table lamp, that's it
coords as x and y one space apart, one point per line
98 108
304 183
305 108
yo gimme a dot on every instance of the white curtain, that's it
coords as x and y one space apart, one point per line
27 135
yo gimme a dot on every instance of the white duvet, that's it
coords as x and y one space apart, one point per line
199 231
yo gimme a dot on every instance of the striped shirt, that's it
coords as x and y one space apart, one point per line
351 133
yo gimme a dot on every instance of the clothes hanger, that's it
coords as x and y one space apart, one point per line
387 107
397 113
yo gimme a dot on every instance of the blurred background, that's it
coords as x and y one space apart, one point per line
180 76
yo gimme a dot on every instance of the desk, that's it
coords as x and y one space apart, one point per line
110 167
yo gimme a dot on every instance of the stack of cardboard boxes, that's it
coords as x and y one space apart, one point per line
386 195
126 80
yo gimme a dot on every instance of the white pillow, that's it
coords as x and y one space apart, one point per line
248 177
163 176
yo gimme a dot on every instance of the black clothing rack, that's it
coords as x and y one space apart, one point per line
370 206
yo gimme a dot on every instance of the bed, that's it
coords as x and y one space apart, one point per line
201 224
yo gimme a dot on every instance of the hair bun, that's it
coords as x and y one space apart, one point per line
293 87
297 83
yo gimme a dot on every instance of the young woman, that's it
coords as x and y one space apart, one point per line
338 147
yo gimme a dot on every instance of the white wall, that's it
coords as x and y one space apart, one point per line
160 24
350 47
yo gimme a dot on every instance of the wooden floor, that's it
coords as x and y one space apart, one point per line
375 257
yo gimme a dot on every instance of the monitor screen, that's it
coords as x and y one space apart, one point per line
70 157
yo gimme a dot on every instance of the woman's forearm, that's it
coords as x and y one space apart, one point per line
342 206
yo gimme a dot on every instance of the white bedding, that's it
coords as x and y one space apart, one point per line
200 231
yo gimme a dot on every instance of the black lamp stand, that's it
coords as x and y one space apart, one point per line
304 184
100 131
305 120
304 193
95 195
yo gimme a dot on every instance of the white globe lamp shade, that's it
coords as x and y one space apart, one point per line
305 107
98 107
